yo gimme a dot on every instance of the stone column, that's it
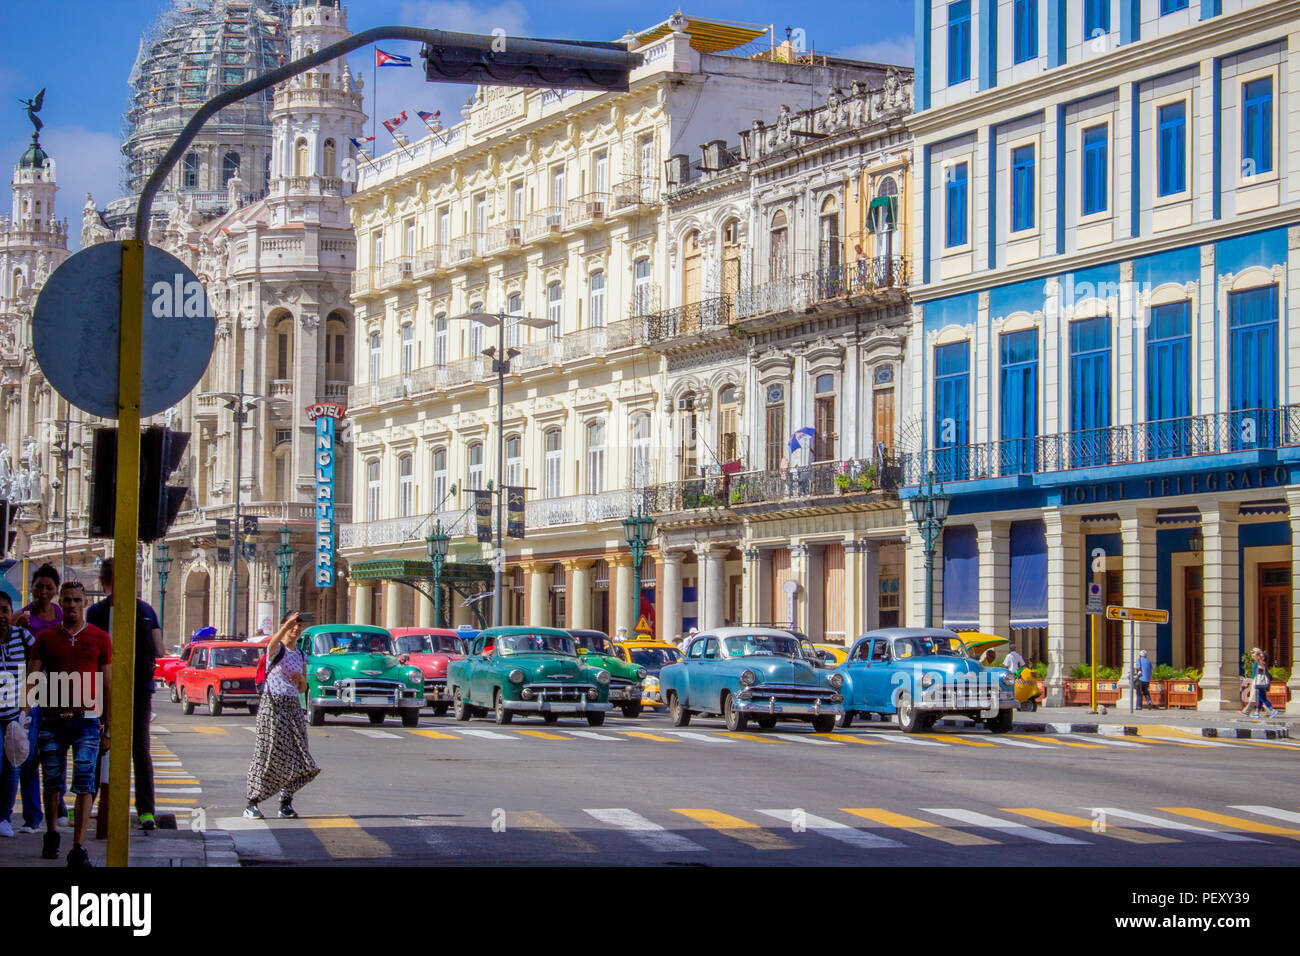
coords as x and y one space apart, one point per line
621 569
993 540
798 574
426 612
1220 690
362 604
854 585
539 593
758 584
715 608
1138 535
1293 502
870 584
393 604
669 617
815 605
578 600
1065 599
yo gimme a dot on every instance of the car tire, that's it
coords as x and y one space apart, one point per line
631 710
460 708
824 724
252 710
910 719
681 717
214 705
173 692
596 719
186 707
410 717
500 713
440 710
766 723
550 718
315 716
735 720
376 717
846 719
1002 723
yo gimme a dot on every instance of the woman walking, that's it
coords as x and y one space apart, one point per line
1259 680
281 761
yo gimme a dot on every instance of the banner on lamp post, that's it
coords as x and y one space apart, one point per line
324 414
483 515
514 512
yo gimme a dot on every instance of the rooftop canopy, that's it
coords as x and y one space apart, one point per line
707 36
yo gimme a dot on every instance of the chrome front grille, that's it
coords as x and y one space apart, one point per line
559 693
435 687
795 692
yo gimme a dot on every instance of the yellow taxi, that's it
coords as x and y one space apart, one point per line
652 655
835 654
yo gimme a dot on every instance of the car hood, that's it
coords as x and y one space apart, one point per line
615 667
540 667
356 665
783 670
231 673
433 665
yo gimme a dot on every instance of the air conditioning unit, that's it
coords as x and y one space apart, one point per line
405 269
513 237
595 210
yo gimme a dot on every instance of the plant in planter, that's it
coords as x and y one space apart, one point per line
843 481
1078 690
1278 692
867 478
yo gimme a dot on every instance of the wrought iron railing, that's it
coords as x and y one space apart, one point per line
430 259
398 270
365 279
547 221
588 209
795 482
636 191
1167 440
860 277
690 319
465 248
504 237
784 294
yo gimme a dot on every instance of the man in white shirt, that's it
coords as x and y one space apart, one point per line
1014 662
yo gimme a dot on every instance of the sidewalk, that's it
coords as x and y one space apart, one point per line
158 848
1118 720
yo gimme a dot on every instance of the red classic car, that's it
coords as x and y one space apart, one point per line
222 673
166 668
430 649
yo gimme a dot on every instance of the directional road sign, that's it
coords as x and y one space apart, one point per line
1143 615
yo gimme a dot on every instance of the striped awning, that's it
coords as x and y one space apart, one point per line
708 36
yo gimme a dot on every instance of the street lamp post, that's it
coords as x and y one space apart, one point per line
930 511
284 562
637 527
436 543
162 563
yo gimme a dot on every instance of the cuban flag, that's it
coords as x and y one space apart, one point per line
802 438
390 59
431 118
392 124
359 143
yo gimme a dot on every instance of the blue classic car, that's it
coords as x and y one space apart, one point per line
744 672
921 674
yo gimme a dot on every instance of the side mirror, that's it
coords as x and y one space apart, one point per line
404 658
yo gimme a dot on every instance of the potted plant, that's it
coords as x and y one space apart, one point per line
1078 690
842 482
1278 693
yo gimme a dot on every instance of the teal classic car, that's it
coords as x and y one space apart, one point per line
920 674
355 668
626 681
761 673
522 670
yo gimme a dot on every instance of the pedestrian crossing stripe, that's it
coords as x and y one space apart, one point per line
953 739
543 735
1236 823
651 835
862 839
532 820
1286 815
805 739
767 740
863 739
1081 823
1165 824
344 838
751 834
1058 742
925 828
199 729
642 735
1010 827
435 735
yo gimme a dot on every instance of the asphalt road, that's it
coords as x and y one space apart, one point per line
639 792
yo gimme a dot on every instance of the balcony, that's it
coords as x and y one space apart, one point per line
277 512
545 224
634 193
1049 459
399 271
587 212
505 238
397 531
581 509
336 392
707 315
465 250
803 291
365 280
431 260
852 480
282 388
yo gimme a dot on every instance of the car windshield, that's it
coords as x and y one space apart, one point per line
352 642
508 644
762 645
427 644
595 643
654 658
929 646
236 656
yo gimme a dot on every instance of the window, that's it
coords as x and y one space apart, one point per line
1172 148
774 436
514 461
284 349
408 238
778 251
830 248
408 349
475 456
1257 126
1096 170
554 472
1026 30
824 418
642 303
439 478
728 424
646 166
731 257
405 487
554 309
955 206
514 306
1096 18
190 171
372 490
640 450
1090 401
480 213
595 457
300 165
444 226
330 167
951 409
958 42
1253 359
229 167
558 192
689 437
1019 402
1169 400
282 476
377 248
596 305
440 339
517 201
600 172
476 331
376 351
1172 6
1022 188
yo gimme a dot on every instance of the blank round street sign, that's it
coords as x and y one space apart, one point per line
78 315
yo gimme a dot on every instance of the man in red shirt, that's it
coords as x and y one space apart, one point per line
74 648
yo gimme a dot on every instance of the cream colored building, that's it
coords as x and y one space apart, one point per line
548 205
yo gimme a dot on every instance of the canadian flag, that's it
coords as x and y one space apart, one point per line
392 124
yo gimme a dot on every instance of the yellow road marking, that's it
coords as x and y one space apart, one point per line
953 739
1236 823
1037 738
1080 823
1162 743
174 801
344 838
532 820
1257 743
435 735
543 735
207 730
921 827
751 834
645 736
766 740
836 737
860 739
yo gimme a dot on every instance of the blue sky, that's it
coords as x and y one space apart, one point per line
81 52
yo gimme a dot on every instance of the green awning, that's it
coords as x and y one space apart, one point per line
407 572
882 214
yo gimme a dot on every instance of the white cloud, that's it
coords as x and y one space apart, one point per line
899 50
462 17
85 161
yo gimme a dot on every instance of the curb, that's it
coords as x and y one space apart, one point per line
1134 730
219 849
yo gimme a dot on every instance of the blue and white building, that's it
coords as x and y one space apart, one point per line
1105 347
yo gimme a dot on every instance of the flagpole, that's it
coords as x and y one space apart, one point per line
374 85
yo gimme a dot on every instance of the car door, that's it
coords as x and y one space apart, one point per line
708 690
188 677
875 676
479 668
693 674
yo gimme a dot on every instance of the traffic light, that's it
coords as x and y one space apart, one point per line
161 450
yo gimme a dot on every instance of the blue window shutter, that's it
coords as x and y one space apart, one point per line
1089 441
1172 6
958 42
1019 402
1022 188
1026 30
1028 574
951 405
956 206
1096 18
1173 148
1252 358
1095 170
1257 126
1169 430
961 577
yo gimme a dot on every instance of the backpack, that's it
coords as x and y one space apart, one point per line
260 677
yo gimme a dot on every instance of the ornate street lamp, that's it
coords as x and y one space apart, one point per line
284 562
930 511
637 528
436 543
162 563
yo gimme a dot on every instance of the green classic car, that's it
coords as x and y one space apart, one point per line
626 681
355 668
537 670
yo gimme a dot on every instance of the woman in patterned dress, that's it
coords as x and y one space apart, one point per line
281 761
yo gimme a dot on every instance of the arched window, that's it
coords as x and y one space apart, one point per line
596 303
190 171
20 283
554 472
728 423
686 429
883 219
229 167
829 252
554 309
778 248
408 348
439 479
330 165
440 339
284 347
266 173
514 460
300 166
372 490
640 449
595 457
692 267
337 368
475 455
824 417
731 257
405 487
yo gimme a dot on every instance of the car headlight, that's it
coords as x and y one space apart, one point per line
652 683
225 685
748 678
1007 680
837 681
324 675
640 673
516 676
927 680
602 677
415 676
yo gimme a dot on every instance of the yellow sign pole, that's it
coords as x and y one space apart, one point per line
1093 669
25 596
126 530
